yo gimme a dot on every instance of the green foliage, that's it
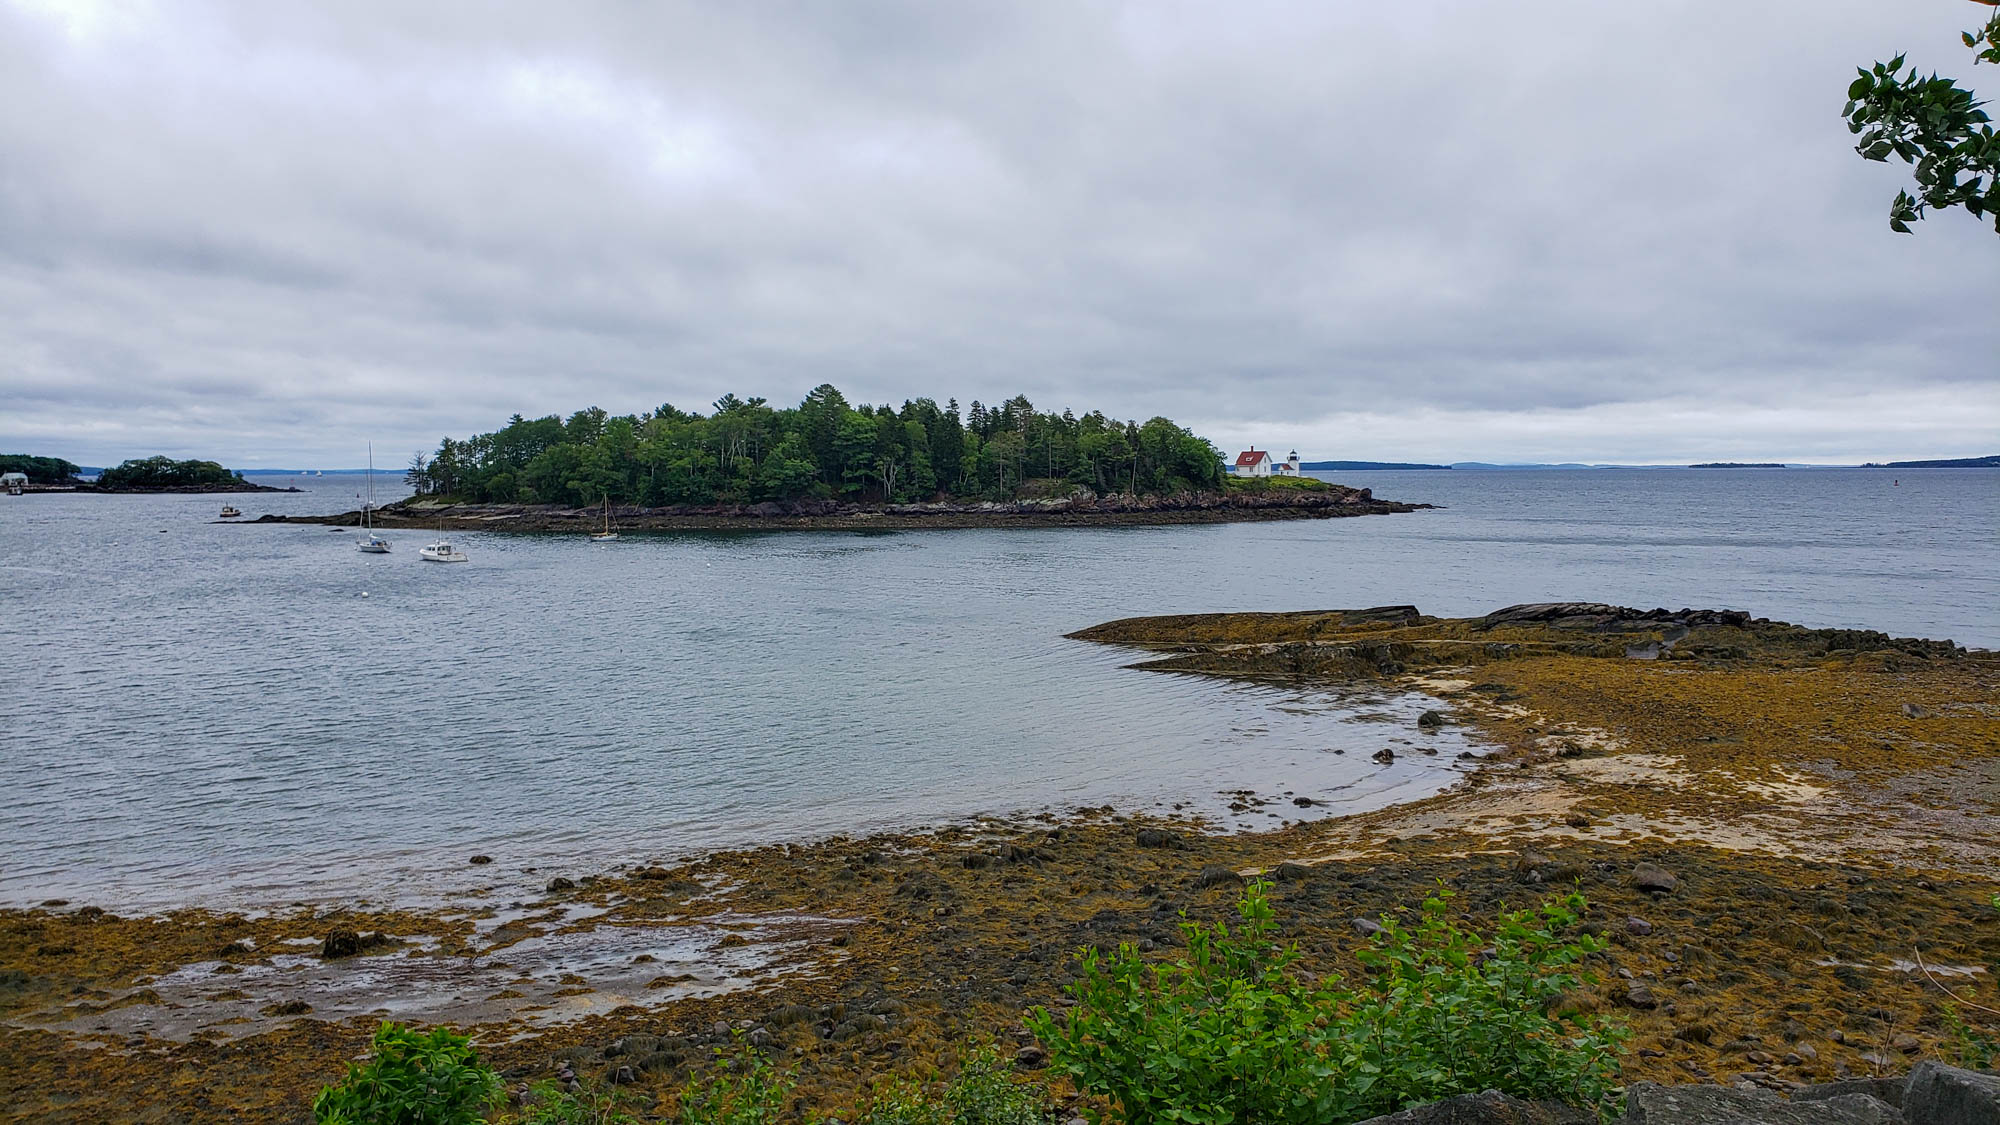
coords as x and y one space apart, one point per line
983 1092
742 1089
1936 126
1974 1050
1228 1032
552 1104
1276 484
746 451
38 470
411 1078
164 472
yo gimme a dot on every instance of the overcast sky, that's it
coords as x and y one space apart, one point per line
272 232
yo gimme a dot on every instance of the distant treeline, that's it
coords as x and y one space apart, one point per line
164 472
1991 462
745 450
39 470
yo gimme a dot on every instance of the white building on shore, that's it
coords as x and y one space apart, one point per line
1251 463
1254 462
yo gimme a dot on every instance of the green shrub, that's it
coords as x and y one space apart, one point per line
983 1092
1227 1032
411 1078
742 1089
554 1105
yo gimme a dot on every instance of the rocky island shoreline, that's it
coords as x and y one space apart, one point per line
1081 509
1786 836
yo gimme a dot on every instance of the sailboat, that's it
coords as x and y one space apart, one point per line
371 543
607 535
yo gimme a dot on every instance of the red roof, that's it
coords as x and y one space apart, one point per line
1249 458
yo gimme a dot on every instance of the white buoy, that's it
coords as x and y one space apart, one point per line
364 593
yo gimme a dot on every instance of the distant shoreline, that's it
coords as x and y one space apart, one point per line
828 515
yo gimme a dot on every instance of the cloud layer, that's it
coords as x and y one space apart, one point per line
269 232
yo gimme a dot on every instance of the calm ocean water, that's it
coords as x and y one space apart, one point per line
201 713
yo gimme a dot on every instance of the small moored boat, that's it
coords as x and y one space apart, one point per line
607 535
442 551
229 512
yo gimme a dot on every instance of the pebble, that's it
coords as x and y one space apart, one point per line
1638 927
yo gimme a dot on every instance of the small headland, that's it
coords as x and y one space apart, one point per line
1082 508
1786 835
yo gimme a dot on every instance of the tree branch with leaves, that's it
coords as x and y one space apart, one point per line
1936 126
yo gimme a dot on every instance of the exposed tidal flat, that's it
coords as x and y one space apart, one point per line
1787 835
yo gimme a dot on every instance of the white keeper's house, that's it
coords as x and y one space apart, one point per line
1255 462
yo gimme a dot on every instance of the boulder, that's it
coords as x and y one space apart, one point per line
1654 879
1489 1108
1637 926
1649 1103
1158 838
340 943
1215 875
1888 1090
1946 1095
1385 755
1430 720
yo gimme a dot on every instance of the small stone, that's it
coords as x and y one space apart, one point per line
1917 711
1905 1042
1806 1052
1366 927
1761 1058
1158 838
1031 1058
1384 755
340 943
480 860
1430 720
1637 926
624 1076
1641 997
1654 879
1292 872
1304 802
561 884
1577 820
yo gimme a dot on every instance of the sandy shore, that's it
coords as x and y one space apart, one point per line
1824 801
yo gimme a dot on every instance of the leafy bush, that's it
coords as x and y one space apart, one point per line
742 1089
554 1105
982 1093
411 1078
1228 1032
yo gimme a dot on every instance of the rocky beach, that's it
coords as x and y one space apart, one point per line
1081 509
1785 834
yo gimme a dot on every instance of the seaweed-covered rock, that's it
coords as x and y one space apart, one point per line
1489 1108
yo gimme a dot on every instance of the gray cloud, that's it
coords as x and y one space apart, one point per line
271 231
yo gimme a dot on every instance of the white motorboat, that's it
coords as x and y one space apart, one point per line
370 543
229 512
442 551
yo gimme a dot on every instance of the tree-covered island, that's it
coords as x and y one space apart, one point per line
747 451
828 464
